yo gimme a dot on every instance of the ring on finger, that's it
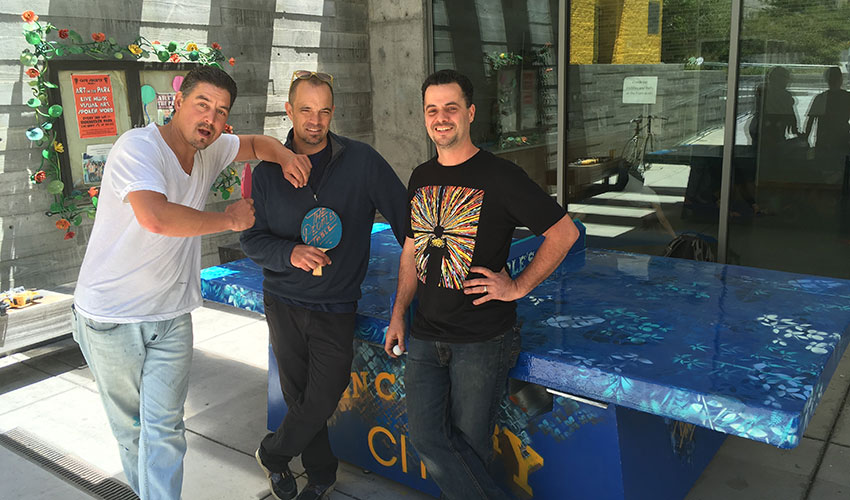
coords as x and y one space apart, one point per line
485 288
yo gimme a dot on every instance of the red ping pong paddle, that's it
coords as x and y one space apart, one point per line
246 181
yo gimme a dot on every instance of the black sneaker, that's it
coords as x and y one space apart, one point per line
315 491
281 484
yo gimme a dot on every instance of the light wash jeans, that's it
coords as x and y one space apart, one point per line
142 374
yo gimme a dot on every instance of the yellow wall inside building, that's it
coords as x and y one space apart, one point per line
612 31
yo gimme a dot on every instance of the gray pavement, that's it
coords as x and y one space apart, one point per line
49 394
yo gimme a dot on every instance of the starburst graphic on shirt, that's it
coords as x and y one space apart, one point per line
446 217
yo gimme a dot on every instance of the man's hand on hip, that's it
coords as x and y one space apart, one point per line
307 258
241 214
493 286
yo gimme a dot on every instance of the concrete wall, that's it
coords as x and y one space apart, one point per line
397 34
269 39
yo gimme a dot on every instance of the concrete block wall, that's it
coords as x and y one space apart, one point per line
397 33
269 39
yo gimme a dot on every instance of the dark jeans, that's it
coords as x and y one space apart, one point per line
453 396
314 352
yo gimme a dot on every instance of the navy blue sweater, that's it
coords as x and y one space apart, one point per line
356 182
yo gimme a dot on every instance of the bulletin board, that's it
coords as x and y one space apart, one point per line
102 100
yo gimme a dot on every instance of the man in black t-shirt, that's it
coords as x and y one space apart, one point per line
464 206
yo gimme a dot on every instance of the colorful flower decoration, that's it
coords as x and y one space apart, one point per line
232 61
71 204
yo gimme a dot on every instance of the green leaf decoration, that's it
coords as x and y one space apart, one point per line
33 83
118 55
162 55
25 58
55 207
194 55
35 134
32 38
47 125
60 51
216 65
70 207
172 46
75 37
94 202
55 187
55 111
224 194
45 153
78 220
111 40
75 50
34 102
91 212
50 85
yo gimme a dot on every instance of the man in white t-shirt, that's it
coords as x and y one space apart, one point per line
140 277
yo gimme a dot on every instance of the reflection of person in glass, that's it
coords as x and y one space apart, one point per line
831 111
773 120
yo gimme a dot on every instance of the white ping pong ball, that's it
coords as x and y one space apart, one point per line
397 350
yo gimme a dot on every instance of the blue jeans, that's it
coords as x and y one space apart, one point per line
453 396
142 374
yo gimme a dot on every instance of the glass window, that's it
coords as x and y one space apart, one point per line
789 206
646 105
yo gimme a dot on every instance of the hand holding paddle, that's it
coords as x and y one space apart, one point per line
321 228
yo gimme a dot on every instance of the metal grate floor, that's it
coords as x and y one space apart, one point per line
67 467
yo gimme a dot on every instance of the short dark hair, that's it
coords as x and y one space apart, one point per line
213 76
446 76
314 81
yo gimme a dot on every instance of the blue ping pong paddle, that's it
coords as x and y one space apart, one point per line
322 229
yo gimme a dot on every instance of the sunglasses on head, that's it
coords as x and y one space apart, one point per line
303 74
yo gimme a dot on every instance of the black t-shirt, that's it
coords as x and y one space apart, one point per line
463 216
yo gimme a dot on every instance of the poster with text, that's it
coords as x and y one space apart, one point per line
164 107
95 108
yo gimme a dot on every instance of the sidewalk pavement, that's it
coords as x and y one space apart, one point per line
49 395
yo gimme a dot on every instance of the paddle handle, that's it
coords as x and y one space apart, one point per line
318 270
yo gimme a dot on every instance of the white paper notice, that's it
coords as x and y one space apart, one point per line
640 89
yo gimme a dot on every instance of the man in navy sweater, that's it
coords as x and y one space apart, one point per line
311 318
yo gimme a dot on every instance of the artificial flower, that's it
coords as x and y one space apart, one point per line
29 16
98 37
69 235
58 147
63 34
230 189
134 49
216 46
62 224
232 61
228 129
175 58
93 191
32 73
39 176
192 46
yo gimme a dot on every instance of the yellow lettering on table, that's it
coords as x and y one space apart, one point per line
403 453
378 387
525 465
370 439
358 383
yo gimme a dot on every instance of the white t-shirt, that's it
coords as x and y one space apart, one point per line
130 274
